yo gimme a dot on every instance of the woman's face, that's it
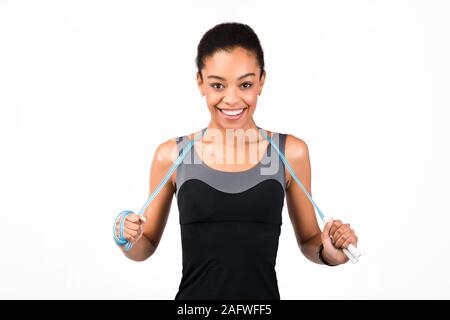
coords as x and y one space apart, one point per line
231 84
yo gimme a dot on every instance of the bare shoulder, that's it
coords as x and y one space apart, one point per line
295 148
297 154
165 155
166 151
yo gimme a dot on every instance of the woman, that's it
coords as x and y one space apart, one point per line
230 211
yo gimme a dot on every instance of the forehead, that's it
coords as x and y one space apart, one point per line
237 61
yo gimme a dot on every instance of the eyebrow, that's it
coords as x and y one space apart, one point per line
241 77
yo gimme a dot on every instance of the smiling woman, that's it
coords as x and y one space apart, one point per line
230 211
231 77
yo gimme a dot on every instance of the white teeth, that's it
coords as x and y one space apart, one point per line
232 112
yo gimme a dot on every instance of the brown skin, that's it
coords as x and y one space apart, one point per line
232 91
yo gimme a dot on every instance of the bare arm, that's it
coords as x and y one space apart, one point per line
301 211
336 234
157 212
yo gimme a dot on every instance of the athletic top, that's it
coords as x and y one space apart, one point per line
230 225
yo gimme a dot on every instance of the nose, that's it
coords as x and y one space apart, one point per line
230 97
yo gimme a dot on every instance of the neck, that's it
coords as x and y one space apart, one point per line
246 133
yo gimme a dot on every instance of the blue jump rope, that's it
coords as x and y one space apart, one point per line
351 252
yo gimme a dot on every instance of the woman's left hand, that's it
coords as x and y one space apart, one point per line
336 236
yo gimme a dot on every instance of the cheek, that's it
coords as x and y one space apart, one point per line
250 98
213 99
213 96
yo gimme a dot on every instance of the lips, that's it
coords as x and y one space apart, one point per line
233 114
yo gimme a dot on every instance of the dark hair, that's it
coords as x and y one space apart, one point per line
227 36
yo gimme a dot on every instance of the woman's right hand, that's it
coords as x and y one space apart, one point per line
133 227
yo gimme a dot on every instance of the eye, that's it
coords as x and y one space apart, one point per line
247 85
216 85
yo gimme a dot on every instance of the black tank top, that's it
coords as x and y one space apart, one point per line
230 225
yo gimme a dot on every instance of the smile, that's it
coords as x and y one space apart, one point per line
232 113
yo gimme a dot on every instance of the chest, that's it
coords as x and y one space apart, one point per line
231 157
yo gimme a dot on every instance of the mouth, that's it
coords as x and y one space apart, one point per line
232 114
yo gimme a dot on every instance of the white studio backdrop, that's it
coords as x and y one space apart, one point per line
89 89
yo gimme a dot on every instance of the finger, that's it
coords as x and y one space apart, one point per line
136 237
120 218
347 243
133 233
143 219
130 236
132 225
118 222
133 218
335 226
118 229
343 228
343 238
326 230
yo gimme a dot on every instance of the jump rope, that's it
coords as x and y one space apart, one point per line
351 251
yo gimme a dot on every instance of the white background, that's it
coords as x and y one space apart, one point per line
88 89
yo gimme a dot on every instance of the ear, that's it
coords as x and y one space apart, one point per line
261 81
200 83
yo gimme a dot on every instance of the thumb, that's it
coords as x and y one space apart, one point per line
326 230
